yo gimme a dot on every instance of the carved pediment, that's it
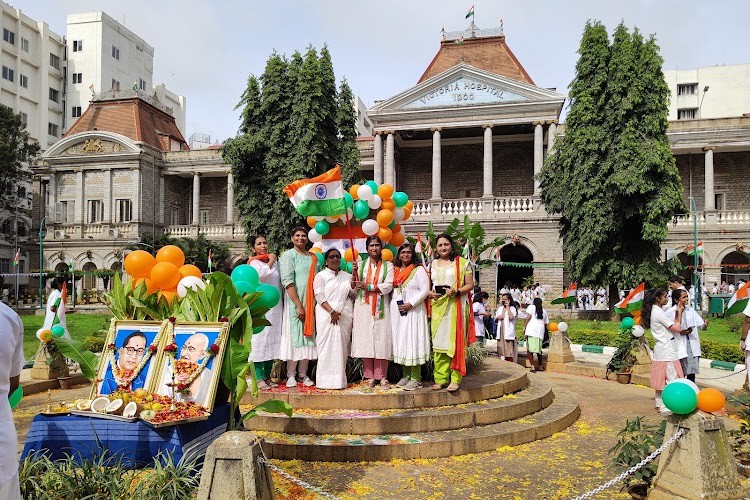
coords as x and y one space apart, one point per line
463 90
94 146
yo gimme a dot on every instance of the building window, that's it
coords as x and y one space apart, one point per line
77 77
24 44
52 129
65 212
8 74
115 84
142 84
687 89
23 81
719 200
124 211
76 111
115 53
4 265
95 211
203 217
174 216
687 114
54 61
24 119
77 45
9 36
54 95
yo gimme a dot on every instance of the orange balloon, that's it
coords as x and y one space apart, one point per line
171 253
710 400
388 205
386 254
348 255
150 288
165 275
409 206
46 335
396 228
190 270
385 234
407 214
311 221
552 327
385 191
316 250
384 217
138 264
397 239
353 191
168 294
636 314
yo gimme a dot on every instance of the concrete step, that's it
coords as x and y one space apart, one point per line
536 396
560 414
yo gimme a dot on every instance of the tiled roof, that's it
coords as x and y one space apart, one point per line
134 118
489 53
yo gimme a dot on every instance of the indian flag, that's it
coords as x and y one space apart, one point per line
17 258
322 195
689 249
470 13
633 301
467 251
739 301
338 237
568 296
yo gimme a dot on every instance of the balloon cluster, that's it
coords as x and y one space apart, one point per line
47 334
378 209
632 325
682 396
246 280
166 274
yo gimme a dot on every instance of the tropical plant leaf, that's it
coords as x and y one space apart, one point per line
235 360
270 406
145 309
242 382
76 350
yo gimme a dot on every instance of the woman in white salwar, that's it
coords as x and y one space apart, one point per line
411 334
265 347
333 322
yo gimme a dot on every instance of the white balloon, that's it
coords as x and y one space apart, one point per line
638 331
192 282
689 383
350 213
314 236
364 192
398 215
370 227
562 326
332 219
318 245
375 201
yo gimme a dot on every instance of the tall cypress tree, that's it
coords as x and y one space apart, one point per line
346 123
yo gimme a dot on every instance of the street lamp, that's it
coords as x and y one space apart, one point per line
700 106
41 262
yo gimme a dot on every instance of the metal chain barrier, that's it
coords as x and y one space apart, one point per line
741 466
723 376
262 460
589 494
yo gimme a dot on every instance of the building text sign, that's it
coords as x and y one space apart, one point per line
463 91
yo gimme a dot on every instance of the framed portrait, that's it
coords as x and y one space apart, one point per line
130 357
190 368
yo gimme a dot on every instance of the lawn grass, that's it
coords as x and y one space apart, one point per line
80 327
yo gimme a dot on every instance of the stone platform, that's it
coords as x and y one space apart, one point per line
498 406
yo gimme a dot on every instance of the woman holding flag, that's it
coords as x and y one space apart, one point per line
298 268
411 337
266 343
371 333
452 325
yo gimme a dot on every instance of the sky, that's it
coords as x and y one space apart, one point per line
205 50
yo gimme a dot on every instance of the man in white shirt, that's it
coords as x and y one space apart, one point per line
56 307
11 363
731 288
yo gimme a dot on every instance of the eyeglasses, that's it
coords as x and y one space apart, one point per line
133 350
334 256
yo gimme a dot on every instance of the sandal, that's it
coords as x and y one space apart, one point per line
384 384
437 387
453 387
262 385
370 382
271 383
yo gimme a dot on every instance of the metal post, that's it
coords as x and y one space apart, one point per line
697 292
41 262
18 262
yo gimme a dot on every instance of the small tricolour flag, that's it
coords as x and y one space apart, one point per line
689 249
467 251
633 301
210 262
322 195
17 259
739 301
91 88
568 295
470 13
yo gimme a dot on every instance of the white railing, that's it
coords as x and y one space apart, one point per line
461 207
182 231
93 230
122 229
513 205
687 220
238 232
212 231
726 217
422 208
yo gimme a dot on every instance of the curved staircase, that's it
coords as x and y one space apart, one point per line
498 406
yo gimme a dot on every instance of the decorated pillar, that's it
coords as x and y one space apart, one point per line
551 136
79 210
196 198
162 201
538 153
108 216
230 198
378 157
136 177
710 199
487 193
390 166
437 171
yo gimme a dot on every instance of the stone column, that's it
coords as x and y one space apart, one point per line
230 198
551 136
437 171
136 177
196 198
710 199
109 203
79 210
487 193
52 208
378 158
538 153
390 165
162 201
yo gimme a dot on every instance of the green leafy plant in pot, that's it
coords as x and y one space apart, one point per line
624 358
635 441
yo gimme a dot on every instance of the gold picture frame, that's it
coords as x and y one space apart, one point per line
191 345
132 340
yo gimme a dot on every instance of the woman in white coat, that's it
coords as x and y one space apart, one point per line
688 342
265 347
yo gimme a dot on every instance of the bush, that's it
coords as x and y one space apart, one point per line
94 343
710 349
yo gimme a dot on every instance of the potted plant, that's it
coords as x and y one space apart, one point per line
635 442
624 357
741 435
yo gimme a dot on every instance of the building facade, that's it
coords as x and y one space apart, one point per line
710 92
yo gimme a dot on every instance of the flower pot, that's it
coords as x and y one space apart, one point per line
624 377
638 491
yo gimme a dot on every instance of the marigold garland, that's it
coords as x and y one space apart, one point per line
123 377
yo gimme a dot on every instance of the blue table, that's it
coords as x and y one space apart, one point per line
136 442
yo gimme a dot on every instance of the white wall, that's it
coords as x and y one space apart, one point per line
177 103
728 94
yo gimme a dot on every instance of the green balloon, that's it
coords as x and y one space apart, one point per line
244 287
16 397
322 227
392 248
400 198
392 224
627 323
245 272
680 398
346 266
270 297
373 185
57 331
348 200
321 258
361 209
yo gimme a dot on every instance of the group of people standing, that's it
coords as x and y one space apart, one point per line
378 313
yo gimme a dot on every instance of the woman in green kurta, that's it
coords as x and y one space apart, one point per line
298 268
452 281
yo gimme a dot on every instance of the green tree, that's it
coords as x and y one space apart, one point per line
15 149
293 126
612 177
